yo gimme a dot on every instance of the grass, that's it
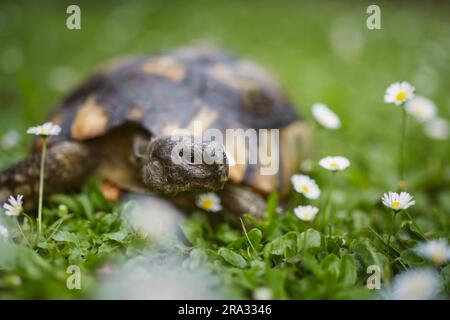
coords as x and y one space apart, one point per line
321 52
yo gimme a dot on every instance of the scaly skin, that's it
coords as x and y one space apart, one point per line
68 164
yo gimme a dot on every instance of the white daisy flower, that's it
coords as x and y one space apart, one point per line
263 293
209 202
306 186
47 129
397 201
436 251
325 116
14 206
4 234
421 108
334 163
437 128
306 213
399 92
419 284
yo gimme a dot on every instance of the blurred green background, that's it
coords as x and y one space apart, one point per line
322 51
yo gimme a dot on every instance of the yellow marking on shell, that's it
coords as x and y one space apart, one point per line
166 67
135 113
237 149
227 74
265 177
257 72
170 129
253 97
295 146
111 66
263 77
202 121
237 173
91 120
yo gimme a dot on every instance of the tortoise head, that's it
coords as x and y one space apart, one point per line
174 164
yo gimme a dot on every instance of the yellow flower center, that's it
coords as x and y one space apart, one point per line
208 203
304 188
17 208
401 96
437 257
333 164
395 204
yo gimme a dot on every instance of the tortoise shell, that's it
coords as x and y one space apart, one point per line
172 91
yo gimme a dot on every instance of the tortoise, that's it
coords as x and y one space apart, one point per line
119 125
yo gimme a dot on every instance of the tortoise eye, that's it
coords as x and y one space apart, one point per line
183 156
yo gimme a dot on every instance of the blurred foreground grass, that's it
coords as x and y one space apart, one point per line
321 51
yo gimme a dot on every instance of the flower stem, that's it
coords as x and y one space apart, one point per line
248 239
41 188
327 205
23 234
305 240
31 221
392 227
415 224
401 158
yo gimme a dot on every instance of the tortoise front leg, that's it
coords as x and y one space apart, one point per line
238 200
67 166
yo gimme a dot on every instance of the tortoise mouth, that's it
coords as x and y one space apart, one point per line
173 183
